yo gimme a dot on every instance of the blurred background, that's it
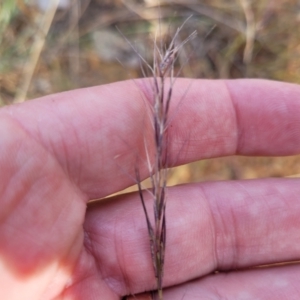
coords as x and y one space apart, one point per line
48 46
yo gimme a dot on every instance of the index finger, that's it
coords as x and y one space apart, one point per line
98 134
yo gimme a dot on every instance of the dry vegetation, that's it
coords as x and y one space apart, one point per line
47 52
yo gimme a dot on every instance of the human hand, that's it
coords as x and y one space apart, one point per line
60 151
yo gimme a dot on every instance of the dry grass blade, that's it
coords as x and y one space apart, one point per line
250 31
36 50
163 69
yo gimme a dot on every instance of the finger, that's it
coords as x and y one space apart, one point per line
41 218
210 226
98 134
264 284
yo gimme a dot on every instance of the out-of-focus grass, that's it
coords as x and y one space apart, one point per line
274 53
7 11
69 59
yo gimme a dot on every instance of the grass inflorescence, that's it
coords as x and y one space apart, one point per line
162 71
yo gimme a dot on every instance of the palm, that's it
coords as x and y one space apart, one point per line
61 151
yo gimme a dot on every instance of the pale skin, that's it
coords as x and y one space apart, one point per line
60 151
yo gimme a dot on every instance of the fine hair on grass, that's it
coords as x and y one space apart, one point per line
162 71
